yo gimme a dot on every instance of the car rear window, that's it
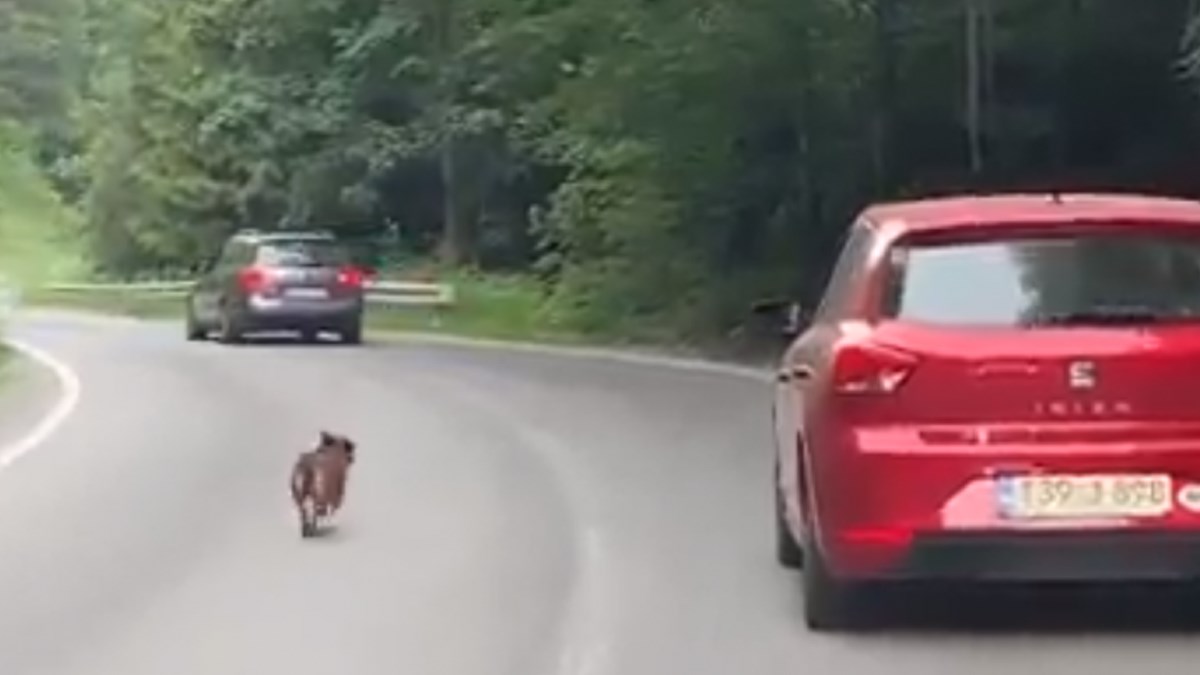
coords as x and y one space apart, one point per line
1084 278
302 254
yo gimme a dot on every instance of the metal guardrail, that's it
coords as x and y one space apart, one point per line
379 292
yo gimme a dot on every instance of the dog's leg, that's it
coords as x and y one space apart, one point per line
308 517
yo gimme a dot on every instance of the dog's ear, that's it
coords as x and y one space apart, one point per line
350 445
327 438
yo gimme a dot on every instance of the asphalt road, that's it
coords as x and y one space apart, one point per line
511 513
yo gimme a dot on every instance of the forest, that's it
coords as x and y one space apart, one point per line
651 165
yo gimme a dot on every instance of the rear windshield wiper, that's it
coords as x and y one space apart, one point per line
1108 316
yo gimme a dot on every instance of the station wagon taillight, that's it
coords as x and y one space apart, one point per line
351 276
255 280
864 369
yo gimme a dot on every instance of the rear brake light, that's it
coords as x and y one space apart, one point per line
871 369
255 280
351 276
878 536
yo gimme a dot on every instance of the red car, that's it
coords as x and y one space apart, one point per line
995 389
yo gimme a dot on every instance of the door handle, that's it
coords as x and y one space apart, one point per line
794 373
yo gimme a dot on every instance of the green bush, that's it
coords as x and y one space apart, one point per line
37 229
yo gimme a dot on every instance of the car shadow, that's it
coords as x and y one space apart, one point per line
291 340
1042 609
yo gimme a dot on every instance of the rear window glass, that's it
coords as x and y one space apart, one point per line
1086 278
302 254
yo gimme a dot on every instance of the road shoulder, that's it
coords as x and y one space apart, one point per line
28 390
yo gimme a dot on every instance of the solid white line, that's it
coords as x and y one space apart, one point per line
68 398
597 353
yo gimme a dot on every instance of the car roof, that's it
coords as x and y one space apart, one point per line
1000 211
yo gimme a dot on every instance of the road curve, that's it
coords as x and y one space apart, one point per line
512 513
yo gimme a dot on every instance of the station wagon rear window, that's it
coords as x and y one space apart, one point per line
301 253
1085 278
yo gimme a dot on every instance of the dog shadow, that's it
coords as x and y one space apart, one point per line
327 533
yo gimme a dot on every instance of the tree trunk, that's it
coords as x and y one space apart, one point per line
974 88
885 58
452 251
455 245
988 64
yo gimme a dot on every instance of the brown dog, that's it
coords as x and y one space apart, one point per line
319 480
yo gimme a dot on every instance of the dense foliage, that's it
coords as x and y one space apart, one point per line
656 162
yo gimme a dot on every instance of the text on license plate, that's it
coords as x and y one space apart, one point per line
307 293
1084 496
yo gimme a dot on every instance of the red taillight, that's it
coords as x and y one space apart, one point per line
878 536
865 369
351 276
255 280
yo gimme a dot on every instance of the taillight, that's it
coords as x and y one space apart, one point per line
255 280
871 369
351 276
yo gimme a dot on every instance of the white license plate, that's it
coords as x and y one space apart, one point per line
307 293
1084 496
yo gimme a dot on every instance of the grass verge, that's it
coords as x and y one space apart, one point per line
39 232
488 307
6 358
500 308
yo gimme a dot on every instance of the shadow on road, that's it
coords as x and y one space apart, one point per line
1041 610
290 340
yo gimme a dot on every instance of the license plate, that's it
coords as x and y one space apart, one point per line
1084 496
307 293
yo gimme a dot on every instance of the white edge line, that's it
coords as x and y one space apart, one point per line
685 364
68 398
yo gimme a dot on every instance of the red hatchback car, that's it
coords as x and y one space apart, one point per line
996 389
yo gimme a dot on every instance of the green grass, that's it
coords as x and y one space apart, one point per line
490 307
6 357
37 230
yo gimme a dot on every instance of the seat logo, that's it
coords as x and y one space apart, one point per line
1081 374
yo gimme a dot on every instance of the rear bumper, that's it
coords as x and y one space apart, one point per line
1059 557
889 510
272 314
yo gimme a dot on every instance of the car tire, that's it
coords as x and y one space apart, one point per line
310 336
193 330
352 333
830 604
230 332
788 553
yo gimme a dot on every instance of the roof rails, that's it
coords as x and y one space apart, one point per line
251 233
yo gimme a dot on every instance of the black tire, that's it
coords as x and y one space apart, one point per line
230 332
830 604
310 336
192 328
352 334
788 553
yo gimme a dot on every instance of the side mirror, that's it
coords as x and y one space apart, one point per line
788 318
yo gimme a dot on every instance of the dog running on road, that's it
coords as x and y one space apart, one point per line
319 480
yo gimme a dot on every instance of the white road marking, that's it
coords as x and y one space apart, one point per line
587 630
634 358
68 398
